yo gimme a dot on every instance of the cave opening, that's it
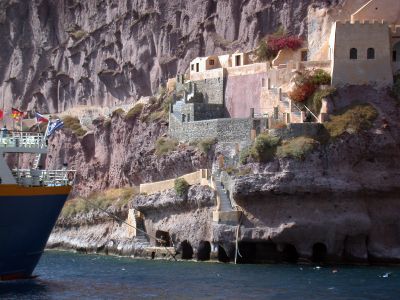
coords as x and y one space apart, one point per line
289 254
204 251
163 239
187 250
258 252
222 255
319 253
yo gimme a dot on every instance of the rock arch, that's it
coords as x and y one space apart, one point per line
204 251
319 253
187 250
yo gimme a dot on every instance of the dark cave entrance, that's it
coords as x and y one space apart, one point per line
258 252
187 250
204 251
289 254
319 253
163 239
222 255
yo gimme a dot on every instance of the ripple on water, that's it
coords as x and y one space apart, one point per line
64 275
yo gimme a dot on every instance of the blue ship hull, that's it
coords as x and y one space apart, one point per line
26 221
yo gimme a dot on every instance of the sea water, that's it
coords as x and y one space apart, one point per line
64 275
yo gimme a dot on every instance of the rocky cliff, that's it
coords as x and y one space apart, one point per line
57 54
122 152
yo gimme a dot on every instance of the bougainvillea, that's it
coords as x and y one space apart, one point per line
302 92
269 49
284 42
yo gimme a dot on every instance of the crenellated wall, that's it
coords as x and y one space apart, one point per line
360 71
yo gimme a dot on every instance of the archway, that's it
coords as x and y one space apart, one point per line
163 239
290 254
187 250
222 255
396 57
258 252
204 251
319 253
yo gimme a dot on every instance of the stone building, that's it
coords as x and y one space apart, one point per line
365 49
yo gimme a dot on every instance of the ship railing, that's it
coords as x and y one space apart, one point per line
33 177
18 139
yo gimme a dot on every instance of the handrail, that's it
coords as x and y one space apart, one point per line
316 118
33 177
22 139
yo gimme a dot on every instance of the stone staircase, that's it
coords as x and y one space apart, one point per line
226 213
225 202
141 239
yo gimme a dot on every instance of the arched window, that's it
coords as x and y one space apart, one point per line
371 53
353 53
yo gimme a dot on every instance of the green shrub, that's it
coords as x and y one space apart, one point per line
297 147
181 186
206 144
78 34
74 124
320 77
103 200
165 146
244 156
134 112
118 112
353 119
156 115
263 53
167 102
264 148
315 101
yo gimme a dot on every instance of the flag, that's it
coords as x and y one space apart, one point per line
16 114
40 118
1 114
54 126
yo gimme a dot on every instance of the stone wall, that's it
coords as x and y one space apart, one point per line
212 89
224 130
196 178
202 111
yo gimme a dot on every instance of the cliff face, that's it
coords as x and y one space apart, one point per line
121 153
57 54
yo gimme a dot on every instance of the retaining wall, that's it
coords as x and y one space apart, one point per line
224 130
198 177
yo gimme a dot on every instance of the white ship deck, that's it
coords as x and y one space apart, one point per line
31 143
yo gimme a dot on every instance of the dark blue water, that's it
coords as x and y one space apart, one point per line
65 275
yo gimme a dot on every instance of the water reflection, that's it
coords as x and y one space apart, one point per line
24 289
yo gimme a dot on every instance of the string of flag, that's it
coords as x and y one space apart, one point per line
18 115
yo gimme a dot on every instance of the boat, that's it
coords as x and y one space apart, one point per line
30 203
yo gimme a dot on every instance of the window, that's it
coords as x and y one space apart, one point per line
263 82
371 53
394 55
197 67
193 67
304 55
353 53
237 60
212 62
